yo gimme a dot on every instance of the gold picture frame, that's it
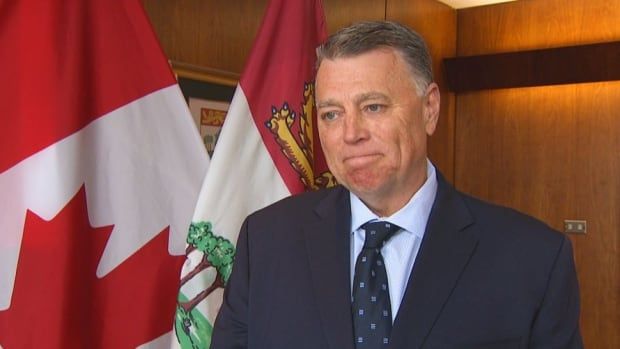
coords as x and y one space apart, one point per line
208 93
205 74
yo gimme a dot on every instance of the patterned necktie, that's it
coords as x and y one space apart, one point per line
372 315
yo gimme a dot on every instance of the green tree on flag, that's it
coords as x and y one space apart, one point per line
215 252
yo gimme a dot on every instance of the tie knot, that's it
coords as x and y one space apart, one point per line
378 232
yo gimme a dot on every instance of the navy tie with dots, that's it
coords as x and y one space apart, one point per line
372 314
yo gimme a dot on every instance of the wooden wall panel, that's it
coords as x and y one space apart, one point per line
553 151
219 34
341 13
436 22
549 66
208 33
536 24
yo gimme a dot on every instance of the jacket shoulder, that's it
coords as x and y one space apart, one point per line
511 225
297 207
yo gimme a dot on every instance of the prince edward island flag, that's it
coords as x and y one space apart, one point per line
267 150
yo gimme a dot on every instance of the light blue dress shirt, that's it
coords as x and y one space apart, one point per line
400 251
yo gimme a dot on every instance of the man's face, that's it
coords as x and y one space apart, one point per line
373 126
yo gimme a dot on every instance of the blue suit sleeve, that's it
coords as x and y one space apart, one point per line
557 322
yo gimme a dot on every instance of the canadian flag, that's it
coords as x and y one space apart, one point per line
100 170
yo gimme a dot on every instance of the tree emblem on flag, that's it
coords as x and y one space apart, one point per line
299 153
192 328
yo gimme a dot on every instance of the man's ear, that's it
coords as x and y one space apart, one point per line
431 108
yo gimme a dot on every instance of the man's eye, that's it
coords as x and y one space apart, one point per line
374 108
330 115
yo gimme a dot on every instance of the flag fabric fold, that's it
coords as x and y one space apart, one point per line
100 170
267 150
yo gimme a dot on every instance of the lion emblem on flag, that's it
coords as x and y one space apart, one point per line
299 154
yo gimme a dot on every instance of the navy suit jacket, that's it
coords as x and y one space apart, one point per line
485 277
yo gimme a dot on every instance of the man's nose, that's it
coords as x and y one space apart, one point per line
355 128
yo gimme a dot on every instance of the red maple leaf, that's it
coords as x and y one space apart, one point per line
58 301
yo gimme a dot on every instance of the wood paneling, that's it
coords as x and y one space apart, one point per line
219 34
436 22
208 33
550 66
553 151
536 24
342 13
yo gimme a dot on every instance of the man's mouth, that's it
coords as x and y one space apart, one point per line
360 160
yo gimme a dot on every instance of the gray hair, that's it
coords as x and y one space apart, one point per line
366 36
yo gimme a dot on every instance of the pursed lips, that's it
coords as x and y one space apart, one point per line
359 160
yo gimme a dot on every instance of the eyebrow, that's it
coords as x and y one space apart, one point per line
328 103
371 95
358 99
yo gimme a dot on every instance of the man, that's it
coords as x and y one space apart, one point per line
446 270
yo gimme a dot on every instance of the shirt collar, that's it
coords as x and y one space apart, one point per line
412 217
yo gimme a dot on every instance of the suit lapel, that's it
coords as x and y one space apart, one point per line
445 251
328 246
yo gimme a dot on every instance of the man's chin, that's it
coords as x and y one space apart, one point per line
362 188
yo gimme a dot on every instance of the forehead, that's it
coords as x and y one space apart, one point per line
382 69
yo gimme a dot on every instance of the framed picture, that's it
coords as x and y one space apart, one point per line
208 93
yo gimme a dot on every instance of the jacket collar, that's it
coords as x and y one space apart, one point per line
328 244
445 251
